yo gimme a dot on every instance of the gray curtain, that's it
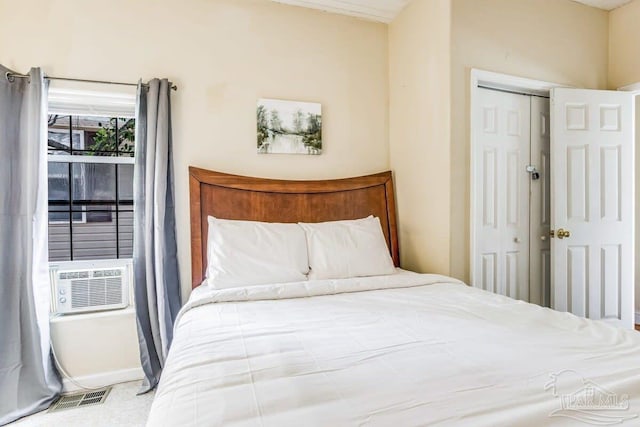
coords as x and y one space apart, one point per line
155 263
28 379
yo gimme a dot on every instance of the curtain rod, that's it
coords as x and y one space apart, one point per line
12 76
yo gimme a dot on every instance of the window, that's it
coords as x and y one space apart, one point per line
90 171
59 174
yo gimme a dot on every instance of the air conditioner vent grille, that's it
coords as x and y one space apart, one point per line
113 290
96 291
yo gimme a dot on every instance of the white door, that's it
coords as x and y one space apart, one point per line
540 211
592 198
501 203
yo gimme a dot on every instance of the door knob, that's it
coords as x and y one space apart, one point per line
562 233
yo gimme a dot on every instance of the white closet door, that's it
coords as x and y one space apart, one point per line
592 190
501 223
540 245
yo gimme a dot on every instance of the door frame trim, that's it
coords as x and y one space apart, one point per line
499 81
634 87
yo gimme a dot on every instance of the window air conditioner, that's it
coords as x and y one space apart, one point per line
82 288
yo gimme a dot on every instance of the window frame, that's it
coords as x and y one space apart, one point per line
89 159
93 100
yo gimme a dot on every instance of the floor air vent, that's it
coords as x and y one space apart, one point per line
79 400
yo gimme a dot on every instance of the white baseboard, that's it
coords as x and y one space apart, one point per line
102 379
637 317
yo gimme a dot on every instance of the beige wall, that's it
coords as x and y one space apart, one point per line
558 41
624 45
90 344
624 69
223 55
419 56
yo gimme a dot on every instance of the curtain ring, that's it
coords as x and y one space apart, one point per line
10 77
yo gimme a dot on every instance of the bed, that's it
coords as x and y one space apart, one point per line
401 349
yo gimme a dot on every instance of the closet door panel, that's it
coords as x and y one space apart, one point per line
501 206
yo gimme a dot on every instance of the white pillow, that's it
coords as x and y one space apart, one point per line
245 253
343 249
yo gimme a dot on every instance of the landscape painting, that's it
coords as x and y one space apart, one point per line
289 127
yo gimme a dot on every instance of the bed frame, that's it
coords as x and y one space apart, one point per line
258 199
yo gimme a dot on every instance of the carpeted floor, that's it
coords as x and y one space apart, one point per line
122 408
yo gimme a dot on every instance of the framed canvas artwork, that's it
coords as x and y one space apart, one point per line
289 127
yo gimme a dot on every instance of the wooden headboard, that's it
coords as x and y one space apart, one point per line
256 199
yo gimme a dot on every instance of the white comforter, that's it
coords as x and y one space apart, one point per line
400 350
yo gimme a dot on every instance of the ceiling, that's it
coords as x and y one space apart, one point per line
374 10
604 4
387 10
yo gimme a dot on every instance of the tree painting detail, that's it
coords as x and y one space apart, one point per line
289 127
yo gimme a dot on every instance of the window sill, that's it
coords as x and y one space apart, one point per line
62 318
